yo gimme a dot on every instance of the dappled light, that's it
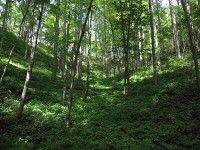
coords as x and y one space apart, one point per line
99 75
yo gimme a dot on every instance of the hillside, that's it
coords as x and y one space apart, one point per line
165 116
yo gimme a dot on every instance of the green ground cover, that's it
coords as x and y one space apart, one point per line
159 117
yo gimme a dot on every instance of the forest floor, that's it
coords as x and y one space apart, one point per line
159 117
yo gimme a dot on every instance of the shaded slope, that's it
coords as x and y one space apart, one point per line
148 117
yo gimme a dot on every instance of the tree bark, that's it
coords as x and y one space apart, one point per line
104 43
26 47
127 43
199 5
160 37
174 30
24 17
63 51
153 42
114 47
193 48
4 71
81 48
31 64
89 57
68 118
55 53
125 46
5 15
65 47
4 23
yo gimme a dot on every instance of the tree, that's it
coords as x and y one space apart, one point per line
56 37
193 48
160 34
125 43
199 5
81 47
4 22
65 48
4 71
73 70
24 14
152 42
89 58
174 29
104 41
31 63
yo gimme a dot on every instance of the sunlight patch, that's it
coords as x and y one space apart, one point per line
100 86
17 65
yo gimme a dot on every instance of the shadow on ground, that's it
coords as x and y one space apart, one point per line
165 116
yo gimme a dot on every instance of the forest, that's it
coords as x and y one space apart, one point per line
99 74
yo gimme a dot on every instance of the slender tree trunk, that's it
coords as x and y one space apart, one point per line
125 42
24 17
63 51
31 63
89 57
174 30
104 41
114 47
4 71
81 47
68 118
135 47
160 36
199 5
193 48
66 46
26 47
4 23
153 42
32 25
140 43
135 51
75 37
55 53
5 15
125 49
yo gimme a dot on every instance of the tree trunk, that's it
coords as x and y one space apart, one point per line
89 57
24 17
199 5
65 47
5 15
104 42
55 53
153 42
81 48
32 25
193 48
174 29
114 47
74 66
160 37
4 71
4 23
30 67
125 46
26 47
63 51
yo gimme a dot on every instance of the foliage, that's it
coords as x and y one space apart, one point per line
149 117
162 116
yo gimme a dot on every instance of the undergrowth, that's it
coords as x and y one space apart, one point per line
159 117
